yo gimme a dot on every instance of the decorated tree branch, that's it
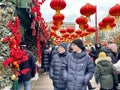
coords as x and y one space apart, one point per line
16 56
38 26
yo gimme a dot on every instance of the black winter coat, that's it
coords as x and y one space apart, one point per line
30 63
45 59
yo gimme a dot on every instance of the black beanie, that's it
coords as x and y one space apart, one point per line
79 43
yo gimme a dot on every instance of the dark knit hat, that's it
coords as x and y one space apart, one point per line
79 43
64 45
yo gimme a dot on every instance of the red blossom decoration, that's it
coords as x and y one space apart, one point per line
16 54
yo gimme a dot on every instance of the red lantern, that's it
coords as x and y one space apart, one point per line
66 35
85 26
81 20
53 27
58 17
73 35
58 24
70 30
78 31
88 10
91 29
84 34
52 34
62 31
102 25
115 11
108 20
58 5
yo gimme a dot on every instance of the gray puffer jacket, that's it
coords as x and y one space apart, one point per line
77 70
55 71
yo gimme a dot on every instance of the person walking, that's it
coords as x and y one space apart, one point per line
105 72
111 51
55 71
78 67
45 59
94 51
24 79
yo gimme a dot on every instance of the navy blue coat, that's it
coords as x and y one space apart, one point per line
30 63
55 70
77 70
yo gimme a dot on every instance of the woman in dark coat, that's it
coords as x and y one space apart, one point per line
45 58
56 67
78 67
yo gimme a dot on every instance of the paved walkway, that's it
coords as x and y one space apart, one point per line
44 83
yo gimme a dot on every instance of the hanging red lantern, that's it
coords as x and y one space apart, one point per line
58 24
53 27
58 17
81 21
66 35
52 34
78 32
108 21
58 5
83 34
88 10
70 30
85 26
115 11
62 31
73 36
102 26
91 29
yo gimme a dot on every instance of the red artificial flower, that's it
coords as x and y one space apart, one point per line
7 61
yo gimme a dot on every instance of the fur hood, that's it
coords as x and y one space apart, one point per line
103 58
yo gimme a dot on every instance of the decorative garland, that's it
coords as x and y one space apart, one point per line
17 56
39 27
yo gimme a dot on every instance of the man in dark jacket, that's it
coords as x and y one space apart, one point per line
78 67
29 65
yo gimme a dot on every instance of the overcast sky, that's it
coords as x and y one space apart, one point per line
72 9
